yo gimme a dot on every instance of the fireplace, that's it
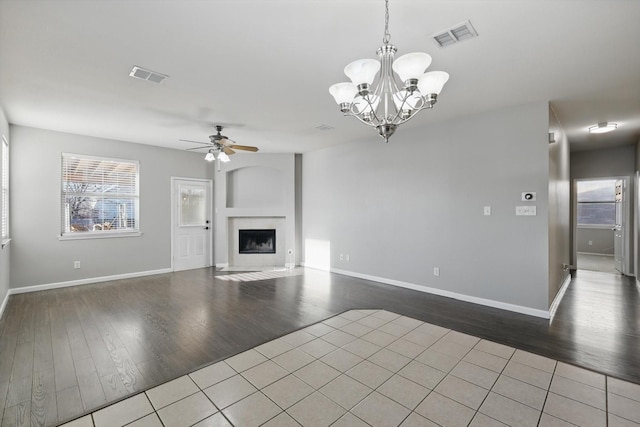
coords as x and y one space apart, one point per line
257 241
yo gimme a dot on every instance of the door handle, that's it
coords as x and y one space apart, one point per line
206 228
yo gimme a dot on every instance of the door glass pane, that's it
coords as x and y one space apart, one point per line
193 207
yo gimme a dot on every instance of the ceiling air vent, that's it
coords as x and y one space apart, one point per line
144 74
455 34
324 127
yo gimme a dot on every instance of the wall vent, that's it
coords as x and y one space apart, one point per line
148 75
455 34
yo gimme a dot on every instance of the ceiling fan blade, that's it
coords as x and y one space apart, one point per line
228 150
195 142
226 141
196 148
245 148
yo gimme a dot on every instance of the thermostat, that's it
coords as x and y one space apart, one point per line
529 196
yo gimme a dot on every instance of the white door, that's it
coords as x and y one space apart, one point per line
191 222
618 230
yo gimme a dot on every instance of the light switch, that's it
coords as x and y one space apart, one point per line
525 210
487 210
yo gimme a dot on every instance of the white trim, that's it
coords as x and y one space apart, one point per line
47 286
5 242
316 266
4 302
99 235
595 253
556 301
462 297
595 226
222 265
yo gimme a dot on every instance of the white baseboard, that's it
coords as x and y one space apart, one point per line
86 281
4 302
462 297
222 265
556 301
316 266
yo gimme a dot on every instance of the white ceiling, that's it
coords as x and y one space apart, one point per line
264 66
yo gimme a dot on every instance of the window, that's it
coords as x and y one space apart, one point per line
597 202
5 190
99 197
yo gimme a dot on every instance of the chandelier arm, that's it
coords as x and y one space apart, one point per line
357 116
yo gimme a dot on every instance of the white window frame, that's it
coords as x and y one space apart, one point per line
65 228
4 185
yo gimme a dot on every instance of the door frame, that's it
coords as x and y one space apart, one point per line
626 218
174 215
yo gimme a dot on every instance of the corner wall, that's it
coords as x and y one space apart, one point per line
39 258
396 211
5 253
559 207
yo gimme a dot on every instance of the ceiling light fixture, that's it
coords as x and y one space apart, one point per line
603 127
214 154
386 106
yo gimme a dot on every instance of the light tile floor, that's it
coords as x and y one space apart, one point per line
376 368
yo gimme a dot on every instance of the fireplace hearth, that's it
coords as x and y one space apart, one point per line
257 241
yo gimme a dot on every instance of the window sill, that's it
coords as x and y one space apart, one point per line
597 227
5 242
85 236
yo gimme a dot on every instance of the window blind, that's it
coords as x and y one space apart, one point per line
99 195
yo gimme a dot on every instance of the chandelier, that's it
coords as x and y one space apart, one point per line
386 105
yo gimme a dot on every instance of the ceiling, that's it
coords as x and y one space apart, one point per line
263 67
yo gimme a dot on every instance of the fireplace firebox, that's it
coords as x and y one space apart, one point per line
257 241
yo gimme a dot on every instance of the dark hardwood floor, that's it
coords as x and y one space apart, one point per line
69 351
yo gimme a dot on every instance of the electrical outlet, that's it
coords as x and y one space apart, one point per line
76 264
436 271
487 210
590 242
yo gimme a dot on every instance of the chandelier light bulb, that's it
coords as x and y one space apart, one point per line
412 65
343 92
210 157
432 82
362 71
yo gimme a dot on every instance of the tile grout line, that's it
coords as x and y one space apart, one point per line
395 372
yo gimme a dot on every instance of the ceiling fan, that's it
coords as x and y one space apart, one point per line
220 147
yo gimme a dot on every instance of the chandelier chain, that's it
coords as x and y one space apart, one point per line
387 36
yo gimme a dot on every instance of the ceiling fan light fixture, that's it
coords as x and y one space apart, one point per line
402 87
223 157
603 127
210 157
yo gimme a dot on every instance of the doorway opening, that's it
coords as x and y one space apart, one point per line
600 225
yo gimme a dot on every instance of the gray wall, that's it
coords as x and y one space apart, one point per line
636 213
38 257
5 254
400 209
601 240
559 206
610 162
